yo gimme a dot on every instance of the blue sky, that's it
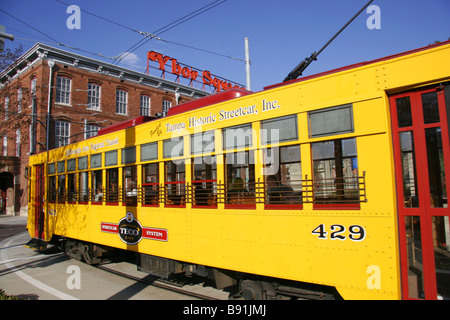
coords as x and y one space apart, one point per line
281 33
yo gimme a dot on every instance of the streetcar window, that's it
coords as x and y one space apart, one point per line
173 148
96 160
83 183
150 183
51 168
240 178
130 191
204 181
96 186
203 142
61 195
71 165
149 151
112 185
279 130
175 182
129 155
410 190
283 175
71 187
331 121
52 188
83 187
237 137
335 172
111 158
61 166
430 107
82 163
404 112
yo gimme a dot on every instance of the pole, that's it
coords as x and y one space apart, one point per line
51 63
247 65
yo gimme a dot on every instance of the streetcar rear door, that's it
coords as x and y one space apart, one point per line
422 163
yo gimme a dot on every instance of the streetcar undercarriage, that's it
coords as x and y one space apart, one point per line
241 286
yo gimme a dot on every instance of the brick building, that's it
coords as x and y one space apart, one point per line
80 95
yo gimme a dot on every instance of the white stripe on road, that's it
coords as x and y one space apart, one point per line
38 284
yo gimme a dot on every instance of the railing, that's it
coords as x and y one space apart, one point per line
323 193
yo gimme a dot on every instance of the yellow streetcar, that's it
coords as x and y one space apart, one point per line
329 186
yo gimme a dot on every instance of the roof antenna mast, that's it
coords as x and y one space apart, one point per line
298 70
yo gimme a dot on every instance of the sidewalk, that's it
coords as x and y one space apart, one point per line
12 220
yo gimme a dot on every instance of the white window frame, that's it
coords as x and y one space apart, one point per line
145 105
121 101
166 105
91 130
18 149
63 90
62 133
94 96
5 145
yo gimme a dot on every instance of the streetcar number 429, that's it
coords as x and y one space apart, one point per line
338 232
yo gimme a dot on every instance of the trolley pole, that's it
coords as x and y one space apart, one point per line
247 65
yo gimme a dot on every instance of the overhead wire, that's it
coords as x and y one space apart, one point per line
168 27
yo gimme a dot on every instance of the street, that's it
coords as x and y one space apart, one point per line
51 275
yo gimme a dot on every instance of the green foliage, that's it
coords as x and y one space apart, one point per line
4 296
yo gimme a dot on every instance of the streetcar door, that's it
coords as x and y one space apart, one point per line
422 164
39 204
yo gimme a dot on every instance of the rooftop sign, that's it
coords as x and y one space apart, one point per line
191 74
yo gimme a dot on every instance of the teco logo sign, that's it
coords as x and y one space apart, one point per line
190 73
131 231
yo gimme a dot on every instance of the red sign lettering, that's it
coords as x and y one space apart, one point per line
189 72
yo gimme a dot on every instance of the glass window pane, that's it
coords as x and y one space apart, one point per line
51 168
404 112
61 166
71 165
331 121
436 170
173 147
237 137
414 257
82 163
430 107
96 160
279 130
129 155
441 235
410 190
149 151
202 142
111 158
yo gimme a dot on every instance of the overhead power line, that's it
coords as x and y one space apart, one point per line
168 27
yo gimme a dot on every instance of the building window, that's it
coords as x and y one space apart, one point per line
5 145
18 153
121 101
6 107
62 133
90 130
93 96
145 106
33 87
63 90
166 105
19 100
